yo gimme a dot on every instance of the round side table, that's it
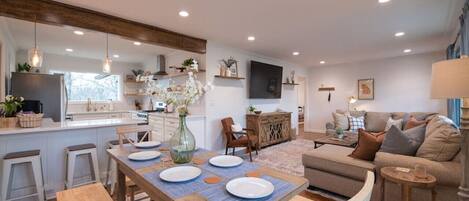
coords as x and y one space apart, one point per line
407 181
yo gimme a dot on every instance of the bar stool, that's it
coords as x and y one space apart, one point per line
11 159
72 152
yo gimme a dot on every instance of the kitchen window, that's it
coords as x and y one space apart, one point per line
81 86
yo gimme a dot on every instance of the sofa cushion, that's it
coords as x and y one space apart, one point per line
393 122
376 121
403 142
368 145
340 121
414 122
334 159
443 140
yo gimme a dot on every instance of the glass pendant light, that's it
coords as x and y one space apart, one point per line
34 54
107 61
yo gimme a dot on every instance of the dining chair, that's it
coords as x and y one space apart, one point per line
365 193
247 138
123 133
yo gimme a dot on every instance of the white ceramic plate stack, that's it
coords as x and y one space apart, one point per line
147 144
226 161
180 173
144 155
250 187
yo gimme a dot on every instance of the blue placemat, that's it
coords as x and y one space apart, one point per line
219 193
181 189
237 171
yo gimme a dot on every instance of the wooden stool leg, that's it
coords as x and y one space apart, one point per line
433 195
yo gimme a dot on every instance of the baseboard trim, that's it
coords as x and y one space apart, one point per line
315 130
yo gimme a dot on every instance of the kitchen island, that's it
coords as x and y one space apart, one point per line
51 139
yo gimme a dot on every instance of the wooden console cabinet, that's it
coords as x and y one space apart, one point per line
271 128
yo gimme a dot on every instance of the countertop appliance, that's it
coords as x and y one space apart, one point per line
50 90
34 106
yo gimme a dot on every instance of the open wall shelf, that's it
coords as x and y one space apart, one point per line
230 78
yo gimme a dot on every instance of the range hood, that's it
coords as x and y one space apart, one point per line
161 65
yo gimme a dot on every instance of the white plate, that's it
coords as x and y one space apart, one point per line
148 144
250 187
226 161
144 155
180 174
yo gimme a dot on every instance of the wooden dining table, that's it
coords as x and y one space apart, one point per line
145 175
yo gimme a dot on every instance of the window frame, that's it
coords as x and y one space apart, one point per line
120 92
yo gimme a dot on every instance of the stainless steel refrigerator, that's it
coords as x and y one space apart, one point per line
50 90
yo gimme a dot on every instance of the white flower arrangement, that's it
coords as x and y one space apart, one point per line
181 97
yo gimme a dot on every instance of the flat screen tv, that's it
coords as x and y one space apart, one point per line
265 81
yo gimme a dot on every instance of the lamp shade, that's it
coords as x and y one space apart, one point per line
450 79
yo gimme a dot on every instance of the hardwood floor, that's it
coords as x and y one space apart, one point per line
308 135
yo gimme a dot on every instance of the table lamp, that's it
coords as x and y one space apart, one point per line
450 80
351 100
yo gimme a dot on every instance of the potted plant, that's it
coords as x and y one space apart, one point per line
228 64
9 108
23 68
190 64
339 133
251 109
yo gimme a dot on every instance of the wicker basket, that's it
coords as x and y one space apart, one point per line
30 120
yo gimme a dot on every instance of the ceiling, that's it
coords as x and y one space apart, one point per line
55 40
336 31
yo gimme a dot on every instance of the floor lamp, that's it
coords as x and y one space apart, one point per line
450 80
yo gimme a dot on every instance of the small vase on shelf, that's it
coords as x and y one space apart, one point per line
182 143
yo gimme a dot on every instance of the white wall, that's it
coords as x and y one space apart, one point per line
402 84
78 64
230 97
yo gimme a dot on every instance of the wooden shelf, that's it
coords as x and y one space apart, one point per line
178 74
230 78
465 108
327 89
134 94
133 81
293 84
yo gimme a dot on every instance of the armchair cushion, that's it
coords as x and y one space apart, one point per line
446 173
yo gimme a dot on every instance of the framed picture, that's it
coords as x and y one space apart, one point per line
366 89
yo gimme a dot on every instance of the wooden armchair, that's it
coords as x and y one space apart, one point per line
247 139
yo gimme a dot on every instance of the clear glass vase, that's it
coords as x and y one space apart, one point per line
182 143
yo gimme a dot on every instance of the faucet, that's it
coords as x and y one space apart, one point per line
88 105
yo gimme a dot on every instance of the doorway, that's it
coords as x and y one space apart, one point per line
301 104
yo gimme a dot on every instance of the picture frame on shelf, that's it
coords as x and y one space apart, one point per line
366 89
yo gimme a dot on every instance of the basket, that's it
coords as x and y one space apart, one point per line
30 120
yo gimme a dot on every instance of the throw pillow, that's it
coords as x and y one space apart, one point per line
413 122
357 113
392 122
237 130
376 121
340 121
368 145
403 142
356 123
443 140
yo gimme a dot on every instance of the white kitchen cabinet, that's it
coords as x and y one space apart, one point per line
164 125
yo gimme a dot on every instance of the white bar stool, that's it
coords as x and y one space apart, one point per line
11 159
72 152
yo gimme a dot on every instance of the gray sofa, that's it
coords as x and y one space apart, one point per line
330 168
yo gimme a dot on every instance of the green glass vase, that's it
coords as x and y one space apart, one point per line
182 143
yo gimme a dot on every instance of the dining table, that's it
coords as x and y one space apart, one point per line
145 174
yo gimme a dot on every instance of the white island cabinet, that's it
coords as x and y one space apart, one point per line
52 139
165 124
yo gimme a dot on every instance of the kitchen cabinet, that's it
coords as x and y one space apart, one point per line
164 125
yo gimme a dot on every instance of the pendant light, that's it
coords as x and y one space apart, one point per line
107 61
34 54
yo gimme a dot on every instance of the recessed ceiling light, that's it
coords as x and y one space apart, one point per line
296 53
251 38
69 50
399 34
183 13
80 33
384 1
407 50
115 56
322 62
137 43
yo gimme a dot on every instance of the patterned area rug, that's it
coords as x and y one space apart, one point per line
285 157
